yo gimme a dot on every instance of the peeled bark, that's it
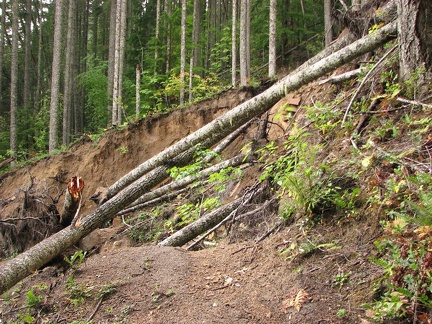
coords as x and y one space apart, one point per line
32 259
72 201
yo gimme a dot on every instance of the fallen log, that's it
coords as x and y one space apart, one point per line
206 222
7 161
31 260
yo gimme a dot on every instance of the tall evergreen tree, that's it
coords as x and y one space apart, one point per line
55 78
14 80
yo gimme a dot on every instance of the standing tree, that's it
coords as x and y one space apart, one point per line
272 39
244 42
328 23
55 78
2 41
183 52
69 77
14 80
111 58
415 42
234 44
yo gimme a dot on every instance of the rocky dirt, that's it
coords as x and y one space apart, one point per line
239 280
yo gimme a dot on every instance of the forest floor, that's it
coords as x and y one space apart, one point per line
298 274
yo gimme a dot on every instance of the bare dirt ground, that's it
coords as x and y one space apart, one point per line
289 277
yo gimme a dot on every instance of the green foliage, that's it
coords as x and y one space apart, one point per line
308 186
33 300
95 81
406 252
77 292
76 259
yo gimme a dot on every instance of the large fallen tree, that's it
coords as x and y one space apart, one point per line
141 180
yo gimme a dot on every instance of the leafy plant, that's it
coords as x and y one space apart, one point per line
77 292
76 259
33 300
407 266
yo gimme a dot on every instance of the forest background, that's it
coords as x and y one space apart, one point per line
75 67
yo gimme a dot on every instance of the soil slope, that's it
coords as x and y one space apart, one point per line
240 280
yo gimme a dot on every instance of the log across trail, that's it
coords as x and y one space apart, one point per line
143 178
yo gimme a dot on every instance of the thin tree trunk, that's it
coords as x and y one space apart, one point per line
272 39
121 60
55 78
234 45
137 91
111 58
69 78
328 23
156 56
32 259
182 52
116 90
2 41
243 43
27 56
14 81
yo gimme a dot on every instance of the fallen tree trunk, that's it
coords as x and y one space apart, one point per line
181 183
32 259
332 58
206 222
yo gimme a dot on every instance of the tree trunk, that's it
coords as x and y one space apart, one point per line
183 52
2 42
137 91
234 45
14 80
156 55
55 78
27 56
415 42
204 223
243 44
111 58
115 98
69 78
32 259
72 201
122 40
328 23
272 39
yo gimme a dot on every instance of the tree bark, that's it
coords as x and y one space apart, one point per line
328 23
2 42
137 91
32 259
55 78
111 58
244 43
208 221
272 39
415 42
69 78
191 231
234 45
14 81
72 201
183 52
